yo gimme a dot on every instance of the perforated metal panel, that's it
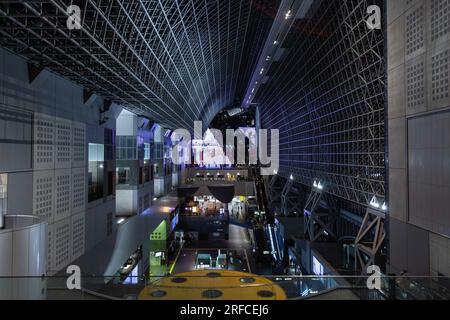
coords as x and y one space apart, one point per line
440 75
78 235
79 144
439 18
415 78
50 249
43 194
63 136
78 190
59 186
62 244
415 30
43 142
63 179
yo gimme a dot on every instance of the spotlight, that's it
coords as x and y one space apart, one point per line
288 15
374 203
318 185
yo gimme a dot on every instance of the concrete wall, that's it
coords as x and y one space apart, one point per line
418 39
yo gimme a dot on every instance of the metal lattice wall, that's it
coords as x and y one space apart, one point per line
327 99
174 61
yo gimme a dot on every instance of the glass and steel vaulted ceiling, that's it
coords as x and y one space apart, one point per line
173 61
327 98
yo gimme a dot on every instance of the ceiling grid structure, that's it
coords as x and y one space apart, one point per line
327 99
173 61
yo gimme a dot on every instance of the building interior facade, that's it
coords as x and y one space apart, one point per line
116 163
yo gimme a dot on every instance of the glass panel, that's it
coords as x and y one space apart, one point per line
147 151
123 176
131 142
96 152
130 154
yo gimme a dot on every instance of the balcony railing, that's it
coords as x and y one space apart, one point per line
294 287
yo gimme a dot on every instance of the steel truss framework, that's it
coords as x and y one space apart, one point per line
291 200
318 221
276 186
370 239
327 99
174 61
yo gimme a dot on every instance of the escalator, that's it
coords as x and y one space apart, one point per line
261 196
271 243
275 247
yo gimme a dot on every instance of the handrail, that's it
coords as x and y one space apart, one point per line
312 286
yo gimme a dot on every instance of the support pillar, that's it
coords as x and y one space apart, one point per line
291 200
319 221
370 239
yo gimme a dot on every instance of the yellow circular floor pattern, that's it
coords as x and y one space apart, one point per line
213 285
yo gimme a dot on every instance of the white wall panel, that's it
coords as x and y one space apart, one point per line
79 145
63 193
63 141
43 147
78 235
43 196
79 184
62 245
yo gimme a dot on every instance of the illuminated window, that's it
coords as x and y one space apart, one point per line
126 148
147 151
